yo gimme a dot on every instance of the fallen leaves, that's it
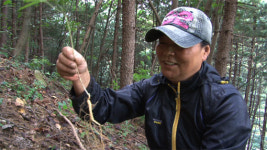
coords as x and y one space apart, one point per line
20 102
58 126
7 126
32 122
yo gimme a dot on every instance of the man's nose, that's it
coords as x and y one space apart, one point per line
170 50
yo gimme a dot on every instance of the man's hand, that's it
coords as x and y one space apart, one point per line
69 60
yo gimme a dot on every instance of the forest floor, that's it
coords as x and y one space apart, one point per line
31 108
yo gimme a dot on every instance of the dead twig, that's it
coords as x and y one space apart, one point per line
73 130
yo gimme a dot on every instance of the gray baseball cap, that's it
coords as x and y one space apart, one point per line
186 26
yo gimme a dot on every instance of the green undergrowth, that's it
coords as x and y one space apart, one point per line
22 83
21 80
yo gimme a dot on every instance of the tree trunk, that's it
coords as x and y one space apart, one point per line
35 49
175 4
230 67
24 33
27 50
188 3
91 24
155 12
41 37
128 42
115 45
208 6
92 51
216 28
240 62
78 28
250 61
158 22
224 45
198 4
101 53
14 20
154 59
253 118
253 108
3 33
263 132
235 64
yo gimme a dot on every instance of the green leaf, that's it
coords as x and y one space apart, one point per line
83 134
125 134
31 3
1 100
7 2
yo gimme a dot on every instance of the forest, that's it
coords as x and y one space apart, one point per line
110 35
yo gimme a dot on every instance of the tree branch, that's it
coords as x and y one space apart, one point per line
73 130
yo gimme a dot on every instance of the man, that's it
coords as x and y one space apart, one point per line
187 106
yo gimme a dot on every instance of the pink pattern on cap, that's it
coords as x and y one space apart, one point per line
180 19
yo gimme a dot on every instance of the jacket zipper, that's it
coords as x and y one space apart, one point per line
176 118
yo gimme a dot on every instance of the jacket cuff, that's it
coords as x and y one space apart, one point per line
80 102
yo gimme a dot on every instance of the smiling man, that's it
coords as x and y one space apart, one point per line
187 106
178 63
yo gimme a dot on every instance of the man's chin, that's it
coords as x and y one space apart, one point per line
171 78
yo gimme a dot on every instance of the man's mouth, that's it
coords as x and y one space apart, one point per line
170 63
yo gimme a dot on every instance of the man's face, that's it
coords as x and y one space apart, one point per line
177 63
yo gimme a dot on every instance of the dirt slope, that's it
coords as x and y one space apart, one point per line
29 117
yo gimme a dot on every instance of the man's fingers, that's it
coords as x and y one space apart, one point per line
72 54
68 52
71 78
79 58
62 59
65 70
80 62
69 60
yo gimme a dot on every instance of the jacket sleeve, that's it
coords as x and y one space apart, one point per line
228 124
109 105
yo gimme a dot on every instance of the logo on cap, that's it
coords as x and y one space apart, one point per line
181 19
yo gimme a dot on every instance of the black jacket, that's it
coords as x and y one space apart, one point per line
202 113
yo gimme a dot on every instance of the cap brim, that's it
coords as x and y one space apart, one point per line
178 36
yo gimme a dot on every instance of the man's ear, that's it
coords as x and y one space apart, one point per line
206 52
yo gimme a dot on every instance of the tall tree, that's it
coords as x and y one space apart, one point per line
216 27
14 23
225 39
91 24
240 62
263 132
157 22
27 51
250 61
175 4
155 12
101 49
78 28
115 44
235 64
3 32
215 17
36 33
24 32
208 7
41 41
128 42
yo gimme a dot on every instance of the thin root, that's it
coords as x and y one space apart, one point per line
92 119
